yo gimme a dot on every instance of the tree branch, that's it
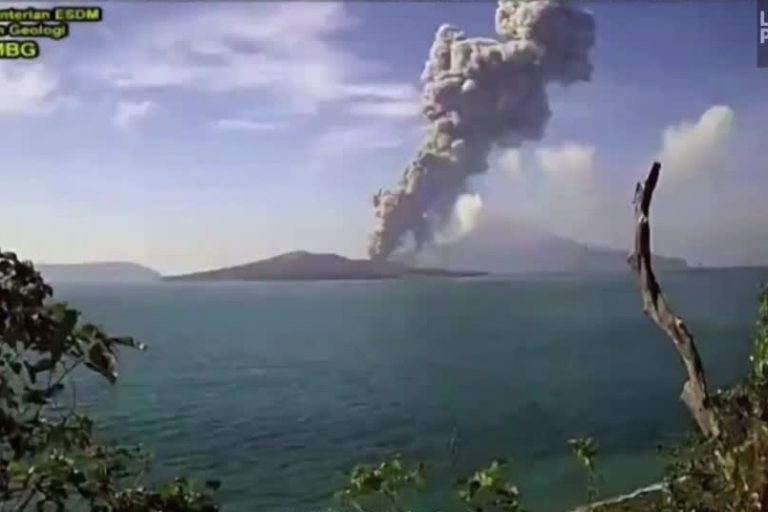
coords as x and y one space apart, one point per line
694 393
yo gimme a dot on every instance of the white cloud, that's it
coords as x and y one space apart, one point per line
573 196
571 191
246 125
696 174
27 88
560 188
382 91
343 145
287 50
693 146
394 110
129 115
339 141
508 161
570 161
389 102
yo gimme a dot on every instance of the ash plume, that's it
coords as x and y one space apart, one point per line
479 93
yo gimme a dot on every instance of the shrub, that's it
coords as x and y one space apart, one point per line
49 457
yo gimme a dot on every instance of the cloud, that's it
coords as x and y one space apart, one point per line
693 146
572 193
343 140
27 89
390 102
571 161
381 91
393 110
559 187
706 206
246 125
569 193
288 50
508 161
341 145
129 115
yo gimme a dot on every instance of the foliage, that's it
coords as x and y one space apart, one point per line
489 491
381 487
585 450
49 458
384 487
760 357
730 472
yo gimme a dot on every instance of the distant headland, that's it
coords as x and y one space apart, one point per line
107 271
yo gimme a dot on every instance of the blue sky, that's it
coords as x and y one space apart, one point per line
195 135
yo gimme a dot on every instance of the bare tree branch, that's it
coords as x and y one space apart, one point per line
655 306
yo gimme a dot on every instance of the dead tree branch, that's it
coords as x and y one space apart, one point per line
694 393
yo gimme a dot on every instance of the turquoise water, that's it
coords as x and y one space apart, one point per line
277 388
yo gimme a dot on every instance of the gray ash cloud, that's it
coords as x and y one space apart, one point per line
479 93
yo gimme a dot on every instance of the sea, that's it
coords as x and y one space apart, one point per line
279 389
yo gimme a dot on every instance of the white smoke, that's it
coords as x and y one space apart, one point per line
508 161
479 93
465 217
467 211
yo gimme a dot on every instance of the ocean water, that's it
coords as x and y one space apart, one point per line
277 388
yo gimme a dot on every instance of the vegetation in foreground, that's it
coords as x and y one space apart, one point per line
50 459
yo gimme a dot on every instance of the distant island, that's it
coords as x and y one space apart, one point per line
504 246
307 266
97 272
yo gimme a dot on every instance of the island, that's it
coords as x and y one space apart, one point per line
99 272
502 245
307 266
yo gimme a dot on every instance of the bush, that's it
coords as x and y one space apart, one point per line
49 458
730 472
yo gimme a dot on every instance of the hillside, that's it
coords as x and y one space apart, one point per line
306 266
99 271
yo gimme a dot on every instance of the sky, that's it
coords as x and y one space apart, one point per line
195 135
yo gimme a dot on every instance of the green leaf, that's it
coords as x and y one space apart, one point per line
16 468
